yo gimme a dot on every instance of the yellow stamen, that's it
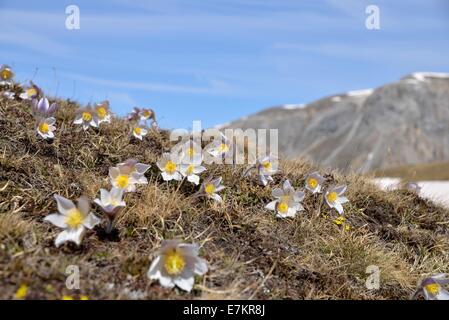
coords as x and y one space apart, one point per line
282 207
6 74
191 152
83 297
87 116
332 197
146 114
44 127
174 262
210 188
170 167
101 111
138 131
67 298
74 218
267 165
224 147
21 292
312 183
189 170
433 288
122 181
31 92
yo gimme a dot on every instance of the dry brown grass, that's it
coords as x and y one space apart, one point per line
418 172
251 253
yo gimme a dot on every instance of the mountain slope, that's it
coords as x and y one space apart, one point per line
405 122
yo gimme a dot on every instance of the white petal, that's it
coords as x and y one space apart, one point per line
142 168
216 197
287 184
200 266
185 284
64 204
272 205
343 200
91 221
338 207
73 235
340 189
104 196
277 193
56 219
442 295
194 179
166 281
155 267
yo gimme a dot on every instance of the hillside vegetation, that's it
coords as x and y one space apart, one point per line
251 253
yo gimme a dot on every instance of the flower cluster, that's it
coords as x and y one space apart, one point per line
288 201
140 119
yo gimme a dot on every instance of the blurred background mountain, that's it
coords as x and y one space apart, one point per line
394 126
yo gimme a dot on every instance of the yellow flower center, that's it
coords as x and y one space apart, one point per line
210 188
189 170
101 111
170 167
74 218
267 165
433 288
21 292
312 183
67 298
6 74
191 152
138 131
224 147
122 181
31 92
282 207
174 262
146 113
332 196
44 127
87 116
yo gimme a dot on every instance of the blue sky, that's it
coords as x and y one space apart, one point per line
217 60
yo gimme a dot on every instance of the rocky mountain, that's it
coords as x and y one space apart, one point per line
405 122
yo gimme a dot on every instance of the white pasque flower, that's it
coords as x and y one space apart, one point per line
45 127
190 151
266 167
314 182
191 171
210 187
74 219
111 202
140 131
31 92
176 264
43 108
103 112
288 201
6 75
169 167
132 166
146 114
123 179
86 117
219 147
433 287
334 198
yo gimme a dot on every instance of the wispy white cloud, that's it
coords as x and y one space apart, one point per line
213 86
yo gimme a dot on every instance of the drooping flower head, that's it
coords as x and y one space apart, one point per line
211 187
335 199
169 166
42 107
74 219
111 202
433 288
86 117
134 115
6 75
46 127
287 201
176 264
314 182
103 112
